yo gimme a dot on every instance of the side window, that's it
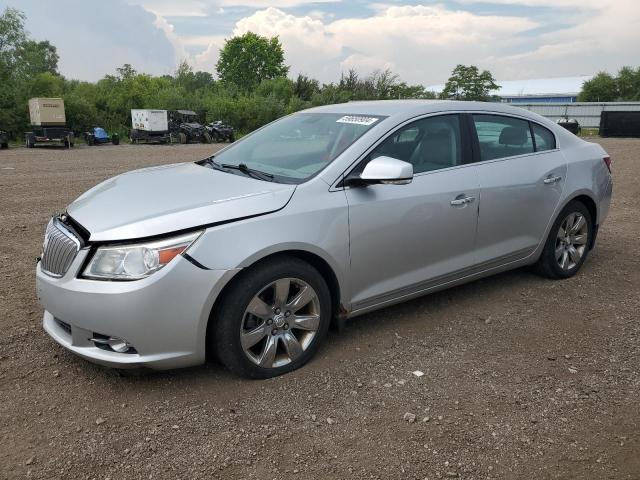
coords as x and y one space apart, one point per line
544 138
501 137
429 144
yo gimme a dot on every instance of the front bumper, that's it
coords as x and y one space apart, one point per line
164 316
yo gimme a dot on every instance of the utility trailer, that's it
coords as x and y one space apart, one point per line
149 126
48 123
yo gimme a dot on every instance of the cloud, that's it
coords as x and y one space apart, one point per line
605 38
92 41
424 43
203 8
309 46
418 42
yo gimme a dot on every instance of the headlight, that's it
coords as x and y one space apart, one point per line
132 262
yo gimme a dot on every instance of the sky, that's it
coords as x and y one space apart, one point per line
422 41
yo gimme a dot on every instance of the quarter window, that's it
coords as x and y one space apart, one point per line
544 138
502 137
429 144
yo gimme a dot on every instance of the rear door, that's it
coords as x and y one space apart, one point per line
522 175
406 238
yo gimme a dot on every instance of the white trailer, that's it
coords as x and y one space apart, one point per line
149 125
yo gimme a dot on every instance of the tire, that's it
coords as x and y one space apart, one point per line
232 315
30 143
232 138
5 146
206 138
558 247
182 137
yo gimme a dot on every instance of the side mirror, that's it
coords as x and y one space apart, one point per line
386 170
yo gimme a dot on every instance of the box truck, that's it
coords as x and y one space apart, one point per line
149 125
48 123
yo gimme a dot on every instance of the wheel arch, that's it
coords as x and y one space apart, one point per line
315 260
586 198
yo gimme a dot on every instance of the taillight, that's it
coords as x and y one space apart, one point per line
607 161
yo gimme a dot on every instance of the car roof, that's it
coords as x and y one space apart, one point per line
409 108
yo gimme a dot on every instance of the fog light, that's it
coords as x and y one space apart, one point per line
114 344
118 344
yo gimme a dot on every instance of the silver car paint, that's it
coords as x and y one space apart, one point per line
145 202
372 249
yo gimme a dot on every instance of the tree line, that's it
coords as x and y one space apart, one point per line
604 87
251 88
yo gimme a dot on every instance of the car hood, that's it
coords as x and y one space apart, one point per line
159 200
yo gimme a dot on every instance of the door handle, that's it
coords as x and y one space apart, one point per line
550 180
462 201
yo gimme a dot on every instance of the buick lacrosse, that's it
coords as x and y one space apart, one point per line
249 255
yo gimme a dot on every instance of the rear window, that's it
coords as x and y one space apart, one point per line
544 138
501 137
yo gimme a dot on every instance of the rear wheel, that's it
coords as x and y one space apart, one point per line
206 138
568 243
182 137
272 320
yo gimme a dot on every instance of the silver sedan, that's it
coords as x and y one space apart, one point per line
323 215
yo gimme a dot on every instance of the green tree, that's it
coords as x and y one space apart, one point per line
469 83
36 57
628 81
601 88
304 87
247 60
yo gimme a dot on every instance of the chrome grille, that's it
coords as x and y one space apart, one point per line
59 249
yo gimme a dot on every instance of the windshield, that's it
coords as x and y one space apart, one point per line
297 147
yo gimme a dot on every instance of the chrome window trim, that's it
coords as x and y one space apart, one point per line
334 186
519 117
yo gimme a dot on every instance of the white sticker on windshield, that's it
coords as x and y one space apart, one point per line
357 120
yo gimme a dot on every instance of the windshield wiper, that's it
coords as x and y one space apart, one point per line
252 172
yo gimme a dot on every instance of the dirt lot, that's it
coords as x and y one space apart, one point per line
524 377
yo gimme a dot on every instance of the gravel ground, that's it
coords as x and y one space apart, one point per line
523 377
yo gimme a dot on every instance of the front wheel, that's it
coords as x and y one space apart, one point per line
568 243
272 320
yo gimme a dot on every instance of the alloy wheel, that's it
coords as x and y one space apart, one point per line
280 323
571 241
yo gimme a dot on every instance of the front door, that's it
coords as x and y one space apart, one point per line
405 238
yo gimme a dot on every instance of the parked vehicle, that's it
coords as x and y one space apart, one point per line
99 136
185 128
4 139
221 132
324 214
48 123
149 126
